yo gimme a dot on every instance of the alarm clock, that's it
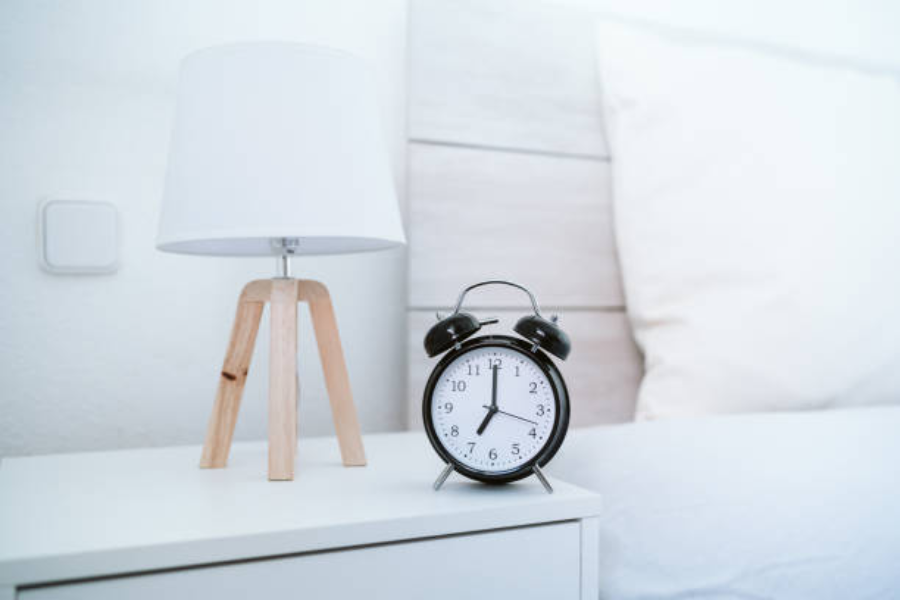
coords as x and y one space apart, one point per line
496 407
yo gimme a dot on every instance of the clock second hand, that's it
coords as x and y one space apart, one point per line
492 409
503 412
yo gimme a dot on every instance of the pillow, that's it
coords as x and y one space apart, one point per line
757 217
801 505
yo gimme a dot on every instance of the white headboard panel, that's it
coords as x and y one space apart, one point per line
512 74
509 178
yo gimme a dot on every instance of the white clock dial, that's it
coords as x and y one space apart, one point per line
493 409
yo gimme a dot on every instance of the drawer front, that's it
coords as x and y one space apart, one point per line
530 562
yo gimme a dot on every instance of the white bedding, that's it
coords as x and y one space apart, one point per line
792 505
756 220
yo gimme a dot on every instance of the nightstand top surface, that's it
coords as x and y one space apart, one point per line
92 514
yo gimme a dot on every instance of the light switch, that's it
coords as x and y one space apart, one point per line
78 236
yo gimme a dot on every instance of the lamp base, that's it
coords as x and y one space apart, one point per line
283 296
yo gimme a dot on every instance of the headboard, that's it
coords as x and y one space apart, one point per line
508 177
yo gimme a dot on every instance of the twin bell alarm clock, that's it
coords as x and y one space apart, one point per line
496 408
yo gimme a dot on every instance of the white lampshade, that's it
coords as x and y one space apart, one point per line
277 140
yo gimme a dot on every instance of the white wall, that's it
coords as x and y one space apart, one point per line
859 32
132 359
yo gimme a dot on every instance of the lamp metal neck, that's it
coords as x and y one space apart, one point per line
288 247
284 266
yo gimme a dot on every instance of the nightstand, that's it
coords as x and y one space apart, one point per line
149 524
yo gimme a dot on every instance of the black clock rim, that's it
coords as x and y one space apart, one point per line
560 394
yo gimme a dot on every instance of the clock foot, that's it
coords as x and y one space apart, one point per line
443 477
540 475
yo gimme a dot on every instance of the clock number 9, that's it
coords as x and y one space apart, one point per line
448 407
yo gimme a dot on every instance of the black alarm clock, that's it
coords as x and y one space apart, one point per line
496 408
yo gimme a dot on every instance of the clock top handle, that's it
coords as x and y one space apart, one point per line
462 295
542 333
451 331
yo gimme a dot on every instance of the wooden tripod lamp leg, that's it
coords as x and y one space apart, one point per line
231 384
283 380
337 381
283 295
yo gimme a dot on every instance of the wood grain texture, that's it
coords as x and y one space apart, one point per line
544 222
337 380
504 73
283 295
223 419
602 373
283 379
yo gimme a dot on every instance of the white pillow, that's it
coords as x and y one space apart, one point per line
802 505
757 214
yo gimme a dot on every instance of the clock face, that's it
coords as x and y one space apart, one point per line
493 408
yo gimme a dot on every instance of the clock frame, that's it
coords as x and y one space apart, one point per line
561 413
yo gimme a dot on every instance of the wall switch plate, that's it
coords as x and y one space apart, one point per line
78 236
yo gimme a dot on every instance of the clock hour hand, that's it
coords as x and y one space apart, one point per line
492 409
508 414
487 419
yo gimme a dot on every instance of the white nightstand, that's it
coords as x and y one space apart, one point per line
149 524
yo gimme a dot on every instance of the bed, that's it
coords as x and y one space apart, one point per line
793 494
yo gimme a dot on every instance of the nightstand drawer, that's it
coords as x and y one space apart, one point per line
529 562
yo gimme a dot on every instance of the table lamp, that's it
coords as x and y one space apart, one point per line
277 150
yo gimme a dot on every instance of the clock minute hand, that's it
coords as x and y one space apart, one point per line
494 388
492 409
508 414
